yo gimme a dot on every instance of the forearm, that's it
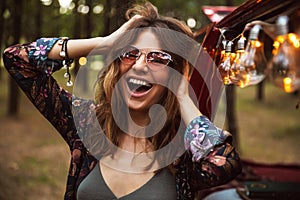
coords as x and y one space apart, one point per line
189 110
81 47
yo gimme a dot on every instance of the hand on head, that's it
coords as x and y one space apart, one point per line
122 28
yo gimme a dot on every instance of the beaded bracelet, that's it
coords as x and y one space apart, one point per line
66 60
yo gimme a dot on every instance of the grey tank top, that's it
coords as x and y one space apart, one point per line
160 187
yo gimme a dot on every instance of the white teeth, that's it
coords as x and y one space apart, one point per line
139 82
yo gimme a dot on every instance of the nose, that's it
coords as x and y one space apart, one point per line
141 65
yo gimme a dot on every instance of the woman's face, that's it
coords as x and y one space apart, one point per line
141 86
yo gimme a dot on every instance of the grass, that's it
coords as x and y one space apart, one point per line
35 159
269 129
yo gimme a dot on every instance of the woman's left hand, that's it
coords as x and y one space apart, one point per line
188 109
183 89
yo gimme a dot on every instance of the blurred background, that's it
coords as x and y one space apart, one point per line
34 159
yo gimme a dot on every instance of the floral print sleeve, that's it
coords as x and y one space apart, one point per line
210 159
202 136
30 66
39 52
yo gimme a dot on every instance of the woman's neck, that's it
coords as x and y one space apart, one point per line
134 144
140 118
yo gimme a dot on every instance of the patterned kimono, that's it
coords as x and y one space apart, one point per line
208 160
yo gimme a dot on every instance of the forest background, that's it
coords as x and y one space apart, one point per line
35 159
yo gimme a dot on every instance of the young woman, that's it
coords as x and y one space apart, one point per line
141 137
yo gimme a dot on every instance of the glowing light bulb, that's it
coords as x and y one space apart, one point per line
237 69
225 64
253 60
284 68
287 84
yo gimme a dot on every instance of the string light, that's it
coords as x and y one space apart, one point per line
236 71
247 65
284 68
253 59
225 64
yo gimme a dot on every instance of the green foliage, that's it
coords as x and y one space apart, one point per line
40 20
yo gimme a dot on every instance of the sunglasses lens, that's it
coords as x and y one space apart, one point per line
130 55
157 60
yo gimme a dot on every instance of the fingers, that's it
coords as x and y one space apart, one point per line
112 37
126 25
183 87
131 21
136 17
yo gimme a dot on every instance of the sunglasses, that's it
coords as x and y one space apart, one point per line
156 60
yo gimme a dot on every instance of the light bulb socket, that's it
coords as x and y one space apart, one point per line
228 47
241 44
224 42
253 35
282 25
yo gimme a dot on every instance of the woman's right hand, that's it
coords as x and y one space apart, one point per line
97 45
112 37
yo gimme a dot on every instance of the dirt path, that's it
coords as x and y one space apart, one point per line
34 160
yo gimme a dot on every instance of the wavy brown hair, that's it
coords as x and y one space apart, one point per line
111 74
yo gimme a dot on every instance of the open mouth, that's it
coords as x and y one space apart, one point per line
138 86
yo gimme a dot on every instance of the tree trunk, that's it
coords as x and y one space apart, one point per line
14 93
38 20
232 123
260 91
231 113
88 33
76 33
107 17
2 9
